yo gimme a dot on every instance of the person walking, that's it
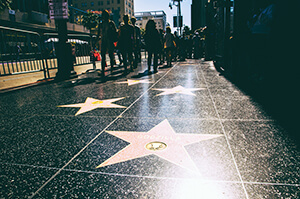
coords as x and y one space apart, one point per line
161 55
153 44
18 51
118 51
196 44
107 32
169 45
125 43
176 53
136 43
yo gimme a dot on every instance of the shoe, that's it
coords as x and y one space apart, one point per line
147 72
125 72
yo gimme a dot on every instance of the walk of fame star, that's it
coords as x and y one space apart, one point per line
91 104
177 89
135 81
162 141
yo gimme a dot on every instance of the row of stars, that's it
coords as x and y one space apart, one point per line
92 103
163 134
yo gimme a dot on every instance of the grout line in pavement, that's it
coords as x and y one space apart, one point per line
154 177
113 116
225 135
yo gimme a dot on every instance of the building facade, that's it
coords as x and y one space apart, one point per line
117 7
198 13
159 17
33 15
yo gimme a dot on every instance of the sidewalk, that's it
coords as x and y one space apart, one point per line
12 82
184 132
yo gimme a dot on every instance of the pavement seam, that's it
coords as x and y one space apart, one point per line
225 135
154 177
128 117
75 156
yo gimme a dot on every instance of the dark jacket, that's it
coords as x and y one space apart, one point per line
112 31
152 41
125 41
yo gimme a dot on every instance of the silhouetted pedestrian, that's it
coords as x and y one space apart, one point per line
108 32
153 44
18 51
136 43
189 46
74 54
176 49
182 48
169 45
161 55
125 43
196 45
118 51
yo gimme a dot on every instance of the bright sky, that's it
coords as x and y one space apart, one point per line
154 5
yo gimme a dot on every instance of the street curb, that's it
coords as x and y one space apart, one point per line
37 83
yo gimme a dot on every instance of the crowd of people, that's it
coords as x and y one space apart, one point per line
161 46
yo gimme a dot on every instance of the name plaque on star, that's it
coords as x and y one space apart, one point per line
158 137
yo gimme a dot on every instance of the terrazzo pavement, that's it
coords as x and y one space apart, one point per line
238 150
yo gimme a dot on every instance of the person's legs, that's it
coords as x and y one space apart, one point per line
120 57
162 59
112 58
103 60
149 60
139 55
169 56
124 55
135 59
130 59
155 62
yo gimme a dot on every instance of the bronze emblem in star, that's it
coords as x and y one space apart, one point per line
161 141
135 81
91 104
177 89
